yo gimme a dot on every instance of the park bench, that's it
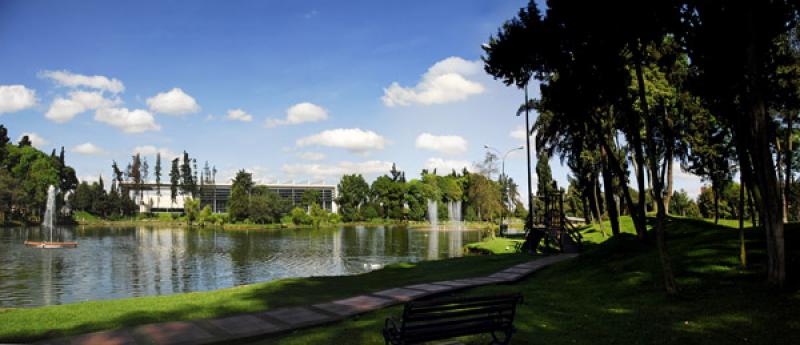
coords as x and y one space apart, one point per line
454 317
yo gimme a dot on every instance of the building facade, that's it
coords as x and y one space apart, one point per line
153 198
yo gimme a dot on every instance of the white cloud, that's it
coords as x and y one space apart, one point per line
300 113
15 98
680 174
88 149
261 174
173 102
518 133
65 109
89 178
444 82
338 169
36 140
239 115
448 144
352 139
446 166
311 156
129 121
99 82
150 150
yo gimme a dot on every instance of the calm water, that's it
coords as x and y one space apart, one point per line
143 261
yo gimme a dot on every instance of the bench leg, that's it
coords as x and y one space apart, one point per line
501 340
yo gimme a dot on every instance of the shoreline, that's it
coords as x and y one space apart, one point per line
484 226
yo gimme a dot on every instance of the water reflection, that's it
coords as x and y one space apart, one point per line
127 262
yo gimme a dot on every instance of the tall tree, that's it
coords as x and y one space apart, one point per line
174 181
241 192
353 191
157 174
4 140
732 45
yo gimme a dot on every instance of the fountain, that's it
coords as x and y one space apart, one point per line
49 224
433 213
454 213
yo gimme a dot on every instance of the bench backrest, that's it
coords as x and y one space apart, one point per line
495 312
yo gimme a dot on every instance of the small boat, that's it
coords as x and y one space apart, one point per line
51 245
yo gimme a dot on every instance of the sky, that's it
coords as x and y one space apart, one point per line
300 91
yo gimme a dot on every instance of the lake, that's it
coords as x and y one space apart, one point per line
145 261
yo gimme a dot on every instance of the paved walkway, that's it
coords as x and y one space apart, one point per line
286 319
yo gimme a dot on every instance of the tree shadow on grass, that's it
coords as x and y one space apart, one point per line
127 313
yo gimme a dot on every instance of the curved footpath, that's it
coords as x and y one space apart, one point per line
256 325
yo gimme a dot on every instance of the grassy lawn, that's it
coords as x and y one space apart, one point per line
497 245
29 324
612 295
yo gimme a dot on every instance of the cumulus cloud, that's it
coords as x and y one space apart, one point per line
261 174
338 169
15 98
448 144
129 121
73 80
36 140
518 133
300 113
173 102
64 109
239 115
444 82
446 166
311 156
351 139
88 149
150 150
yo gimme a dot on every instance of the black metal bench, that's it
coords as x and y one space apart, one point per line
454 317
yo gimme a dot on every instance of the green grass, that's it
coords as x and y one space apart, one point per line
612 295
30 324
497 245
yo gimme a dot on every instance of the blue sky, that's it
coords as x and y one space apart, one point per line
348 86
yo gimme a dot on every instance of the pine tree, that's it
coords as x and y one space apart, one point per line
174 181
158 174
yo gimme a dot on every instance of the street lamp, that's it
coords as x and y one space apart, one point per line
503 170
528 132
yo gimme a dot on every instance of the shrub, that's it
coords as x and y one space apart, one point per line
299 216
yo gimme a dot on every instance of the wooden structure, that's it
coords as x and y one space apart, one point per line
440 319
553 227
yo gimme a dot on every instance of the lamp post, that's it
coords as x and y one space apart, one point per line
529 221
503 170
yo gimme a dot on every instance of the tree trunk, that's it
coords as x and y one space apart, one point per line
641 231
787 185
742 248
766 187
597 212
638 223
668 196
752 208
716 204
779 165
608 185
586 214
670 285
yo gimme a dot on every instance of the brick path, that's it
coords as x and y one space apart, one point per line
286 319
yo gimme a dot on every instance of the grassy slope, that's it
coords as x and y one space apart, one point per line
21 325
612 295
